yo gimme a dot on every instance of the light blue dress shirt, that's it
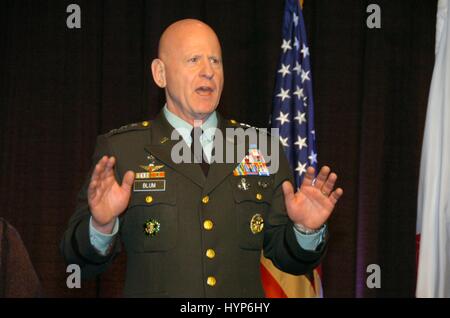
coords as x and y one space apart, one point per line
102 241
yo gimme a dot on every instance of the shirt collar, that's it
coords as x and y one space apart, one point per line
184 128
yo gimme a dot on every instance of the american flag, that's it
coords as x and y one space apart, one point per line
293 114
293 106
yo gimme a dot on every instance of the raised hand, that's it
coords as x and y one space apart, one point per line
312 204
107 199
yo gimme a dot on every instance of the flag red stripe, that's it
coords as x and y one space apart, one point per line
271 286
319 270
417 252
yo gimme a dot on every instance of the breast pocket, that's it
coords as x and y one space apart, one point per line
252 195
151 222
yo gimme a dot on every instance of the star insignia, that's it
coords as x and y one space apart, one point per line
284 70
301 142
297 68
284 94
286 45
296 43
283 118
301 168
301 117
313 157
305 76
299 93
305 51
284 141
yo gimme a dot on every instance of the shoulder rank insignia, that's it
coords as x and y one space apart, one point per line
129 127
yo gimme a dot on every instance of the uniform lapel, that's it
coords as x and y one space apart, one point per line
218 172
161 146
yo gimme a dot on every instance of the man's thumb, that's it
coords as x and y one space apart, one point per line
288 190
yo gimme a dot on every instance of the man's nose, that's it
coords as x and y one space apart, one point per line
207 71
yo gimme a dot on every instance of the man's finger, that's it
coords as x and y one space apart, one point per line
288 190
127 181
93 185
92 189
329 184
322 177
109 165
99 168
309 176
335 195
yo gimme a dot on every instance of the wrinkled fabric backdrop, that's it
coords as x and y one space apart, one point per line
60 88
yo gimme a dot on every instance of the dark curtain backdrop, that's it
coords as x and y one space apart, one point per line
60 88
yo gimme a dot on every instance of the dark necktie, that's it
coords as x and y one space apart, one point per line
195 135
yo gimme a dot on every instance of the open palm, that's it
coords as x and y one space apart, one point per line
107 199
314 202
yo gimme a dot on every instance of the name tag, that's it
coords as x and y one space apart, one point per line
149 185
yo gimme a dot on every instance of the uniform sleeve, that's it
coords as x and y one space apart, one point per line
76 246
280 242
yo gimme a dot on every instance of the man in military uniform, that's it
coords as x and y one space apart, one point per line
194 229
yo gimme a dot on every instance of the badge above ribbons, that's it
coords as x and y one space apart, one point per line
151 179
152 172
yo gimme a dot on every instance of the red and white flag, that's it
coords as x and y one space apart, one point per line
433 210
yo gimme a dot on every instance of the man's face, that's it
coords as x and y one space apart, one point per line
193 73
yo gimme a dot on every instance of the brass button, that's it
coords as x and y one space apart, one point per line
259 196
210 253
211 281
205 199
149 199
145 123
208 225
233 121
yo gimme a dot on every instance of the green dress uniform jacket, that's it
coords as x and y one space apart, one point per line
187 235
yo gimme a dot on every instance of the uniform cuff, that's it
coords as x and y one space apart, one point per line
310 242
102 241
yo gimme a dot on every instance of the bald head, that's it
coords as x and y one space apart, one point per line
184 31
189 68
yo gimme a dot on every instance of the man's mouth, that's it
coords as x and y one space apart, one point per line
204 90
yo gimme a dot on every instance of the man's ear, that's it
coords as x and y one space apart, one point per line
159 72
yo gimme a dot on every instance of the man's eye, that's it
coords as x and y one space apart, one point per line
215 60
193 59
